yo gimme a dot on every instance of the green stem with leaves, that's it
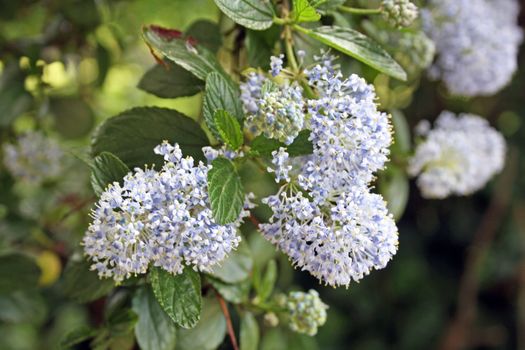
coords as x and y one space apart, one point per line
357 11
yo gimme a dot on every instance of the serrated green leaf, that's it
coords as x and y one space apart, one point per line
229 129
154 330
178 295
358 46
266 284
133 134
18 272
249 334
170 81
301 146
221 94
253 14
209 332
263 146
303 11
83 285
206 33
236 267
77 336
170 44
106 169
225 191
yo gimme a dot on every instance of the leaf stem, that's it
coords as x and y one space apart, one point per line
229 325
357 11
288 42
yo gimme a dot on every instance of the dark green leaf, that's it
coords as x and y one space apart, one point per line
234 293
22 306
221 93
178 295
73 116
209 332
301 146
357 45
122 322
393 185
249 335
304 12
169 44
253 14
401 134
229 129
259 46
77 336
206 33
155 330
133 134
170 81
17 272
14 99
225 191
236 267
263 146
106 169
266 284
83 285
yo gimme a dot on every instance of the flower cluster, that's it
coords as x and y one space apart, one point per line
399 13
324 216
477 43
34 158
306 311
160 218
277 111
458 156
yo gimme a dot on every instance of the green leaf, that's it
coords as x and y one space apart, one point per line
358 46
394 186
68 124
106 169
229 129
263 146
209 332
154 330
122 322
83 285
249 335
169 44
301 146
178 295
133 134
14 99
265 286
236 267
253 14
237 293
26 306
170 81
18 272
77 336
402 137
221 94
206 33
303 11
225 191
259 46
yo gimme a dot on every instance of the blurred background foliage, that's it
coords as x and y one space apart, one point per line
69 64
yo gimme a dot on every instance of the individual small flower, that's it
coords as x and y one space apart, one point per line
158 218
477 44
458 157
399 13
34 158
280 161
306 311
276 65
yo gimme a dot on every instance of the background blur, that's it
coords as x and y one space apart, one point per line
74 63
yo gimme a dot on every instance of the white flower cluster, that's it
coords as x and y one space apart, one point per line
34 158
399 13
277 111
306 311
160 218
477 43
458 157
324 216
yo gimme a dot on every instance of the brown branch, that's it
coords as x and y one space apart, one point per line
229 325
459 330
254 221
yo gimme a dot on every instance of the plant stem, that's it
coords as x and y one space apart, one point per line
288 42
357 11
229 325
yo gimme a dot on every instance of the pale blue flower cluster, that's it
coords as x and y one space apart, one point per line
324 216
158 218
275 110
306 311
477 43
34 158
458 157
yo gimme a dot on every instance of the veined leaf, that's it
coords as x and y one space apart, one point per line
107 168
229 129
170 81
253 14
303 11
